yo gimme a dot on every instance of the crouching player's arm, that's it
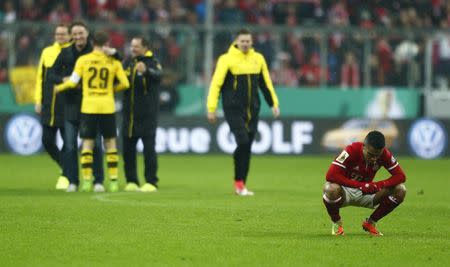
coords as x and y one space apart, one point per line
336 174
397 175
121 77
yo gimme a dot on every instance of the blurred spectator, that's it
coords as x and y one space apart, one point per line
29 11
350 72
168 95
338 14
366 21
230 13
443 63
100 9
24 51
117 38
256 11
311 73
59 15
284 74
385 57
9 14
406 68
309 11
262 43
132 11
177 12
3 61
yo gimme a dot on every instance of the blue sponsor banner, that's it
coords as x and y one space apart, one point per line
23 134
428 138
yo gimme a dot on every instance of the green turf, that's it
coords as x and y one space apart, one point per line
196 220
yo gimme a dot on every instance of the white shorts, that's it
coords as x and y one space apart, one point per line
355 197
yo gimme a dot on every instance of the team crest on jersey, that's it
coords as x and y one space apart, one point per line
393 160
342 157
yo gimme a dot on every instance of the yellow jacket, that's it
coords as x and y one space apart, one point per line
44 89
237 78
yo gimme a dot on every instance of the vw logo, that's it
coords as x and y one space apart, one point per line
427 138
23 134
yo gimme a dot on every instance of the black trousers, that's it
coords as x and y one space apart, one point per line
49 142
241 157
244 132
150 158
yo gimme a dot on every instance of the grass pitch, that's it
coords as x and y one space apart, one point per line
195 219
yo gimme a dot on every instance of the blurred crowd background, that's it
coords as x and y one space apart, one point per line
319 43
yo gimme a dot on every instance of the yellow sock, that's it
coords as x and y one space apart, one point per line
112 160
86 164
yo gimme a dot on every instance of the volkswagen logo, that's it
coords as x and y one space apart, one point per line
427 138
23 134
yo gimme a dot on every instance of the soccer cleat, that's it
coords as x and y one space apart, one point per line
371 228
244 192
131 187
86 186
113 186
337 229
148 188
62 183
241 190
99 188
72 188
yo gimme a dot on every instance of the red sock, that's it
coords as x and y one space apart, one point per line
239 184
387 205
333 207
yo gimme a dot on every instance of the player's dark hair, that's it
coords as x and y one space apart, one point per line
100 38
61 25
144 41
243 31
78 23
375 139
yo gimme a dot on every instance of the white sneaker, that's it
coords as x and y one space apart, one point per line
244 192
72 188
99 188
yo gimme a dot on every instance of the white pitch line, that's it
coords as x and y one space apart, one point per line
105 198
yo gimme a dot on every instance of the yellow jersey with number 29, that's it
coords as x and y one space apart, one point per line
99 71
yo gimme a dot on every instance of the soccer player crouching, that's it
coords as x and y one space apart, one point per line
350 182
99 72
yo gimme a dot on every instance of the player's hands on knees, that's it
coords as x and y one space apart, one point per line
140 67
38 108
380 184
276 112
369 188
212 117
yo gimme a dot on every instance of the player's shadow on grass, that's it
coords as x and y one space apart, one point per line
311 236
287 235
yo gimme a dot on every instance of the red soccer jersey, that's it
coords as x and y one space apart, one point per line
350 168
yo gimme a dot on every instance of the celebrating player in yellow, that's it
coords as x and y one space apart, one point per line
99 72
